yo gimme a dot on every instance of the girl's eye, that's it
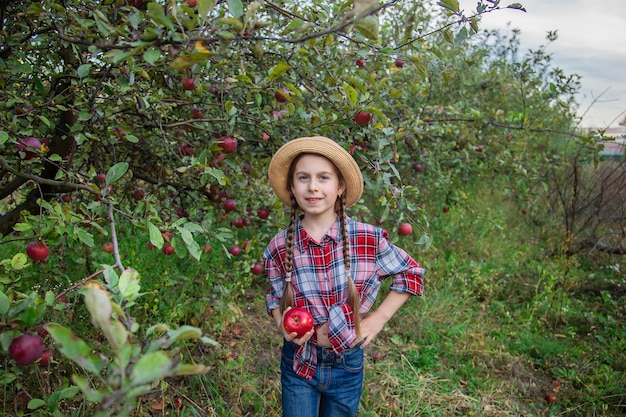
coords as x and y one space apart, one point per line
323 177
301 177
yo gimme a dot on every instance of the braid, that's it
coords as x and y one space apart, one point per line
353 294
287 298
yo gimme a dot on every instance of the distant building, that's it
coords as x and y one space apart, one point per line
616 148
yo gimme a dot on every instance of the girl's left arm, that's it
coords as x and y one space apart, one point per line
374 321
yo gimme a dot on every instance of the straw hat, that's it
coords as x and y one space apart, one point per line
319 145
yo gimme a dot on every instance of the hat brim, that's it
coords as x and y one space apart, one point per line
319 145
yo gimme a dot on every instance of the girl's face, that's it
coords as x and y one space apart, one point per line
316 184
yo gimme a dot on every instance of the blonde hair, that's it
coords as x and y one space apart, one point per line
287 299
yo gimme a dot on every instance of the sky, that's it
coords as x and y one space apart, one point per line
591 43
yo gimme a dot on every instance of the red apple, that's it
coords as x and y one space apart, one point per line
191 3
263 213
101 178
46 356
446 209
550 398
399 63
281 95
230 205
362 118
167 235
234 250
196 113
168 249
29 146
37 251
277 115
298 320
360 62
238 223
66 197
228 144
418 167
26 349
479 148
108 247
405 229
257 269
207 248
138 194
189 84
185 150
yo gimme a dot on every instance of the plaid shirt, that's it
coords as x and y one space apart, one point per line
320 281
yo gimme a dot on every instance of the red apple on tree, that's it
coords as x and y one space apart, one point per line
405 229
281 95
101 178
29 146
257 269
26 349
362 118
234 250
263 213
230 205
168 249
189 84
360 62
228 144
418 167
298 320
107 247
399 63
37 251
46 356
196 113
191 3
138 194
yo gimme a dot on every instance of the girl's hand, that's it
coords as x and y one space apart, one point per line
371 325
293 337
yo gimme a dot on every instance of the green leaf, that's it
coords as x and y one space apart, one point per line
35 404
129 283
151 367
516 6
84 236
368 27
75 348
156 237
351 94
116 172
4 303
182 333
278 70
91 394
83 70
235 7
452 5
19 261
190 243
151 56
4 137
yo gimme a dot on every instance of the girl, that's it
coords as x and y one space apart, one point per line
332 266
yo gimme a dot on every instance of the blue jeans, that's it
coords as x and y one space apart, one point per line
335 389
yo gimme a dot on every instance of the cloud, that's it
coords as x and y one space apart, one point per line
590 43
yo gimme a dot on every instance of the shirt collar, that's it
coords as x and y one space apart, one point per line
302 239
